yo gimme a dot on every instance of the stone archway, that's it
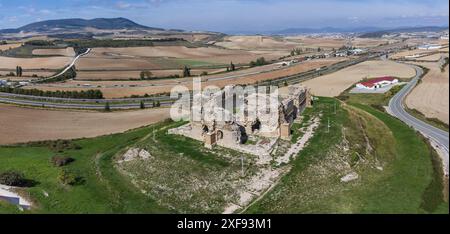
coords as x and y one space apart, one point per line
219 135
256 125
205 129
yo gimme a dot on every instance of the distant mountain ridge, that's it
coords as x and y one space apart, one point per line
326 30
79 24
380 33
357 30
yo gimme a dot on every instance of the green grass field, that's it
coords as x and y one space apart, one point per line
398 171
103 190
433 121
182 176
394 164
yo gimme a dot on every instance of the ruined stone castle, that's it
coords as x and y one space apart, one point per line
269 116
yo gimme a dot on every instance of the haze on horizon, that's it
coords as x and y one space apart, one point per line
235 15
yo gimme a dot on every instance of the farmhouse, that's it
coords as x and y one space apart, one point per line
377 83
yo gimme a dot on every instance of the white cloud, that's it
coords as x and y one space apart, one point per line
123 5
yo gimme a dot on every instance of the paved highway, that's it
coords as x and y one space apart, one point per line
397 108
118 106
131 103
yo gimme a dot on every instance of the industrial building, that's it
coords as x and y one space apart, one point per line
377 83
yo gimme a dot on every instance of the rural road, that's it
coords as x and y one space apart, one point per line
74 60
397 108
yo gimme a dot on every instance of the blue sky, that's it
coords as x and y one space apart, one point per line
234 15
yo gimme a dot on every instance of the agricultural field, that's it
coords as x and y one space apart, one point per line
419 53
125 75
28 124
34 63
332 85
445 50
26 74
434 57
117 89
328 43
251 43
163 57
431 97
10 46
68 52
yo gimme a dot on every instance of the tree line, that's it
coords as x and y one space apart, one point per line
88 94
69 74
259 62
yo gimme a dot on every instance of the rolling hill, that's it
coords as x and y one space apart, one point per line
80 24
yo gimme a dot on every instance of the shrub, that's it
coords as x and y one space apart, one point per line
62 145
12 178
343 97
67 178
60 161
259 62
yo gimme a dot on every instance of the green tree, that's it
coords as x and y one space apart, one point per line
142 105
18 71
186 71
232 66
146 75
67 178
12 178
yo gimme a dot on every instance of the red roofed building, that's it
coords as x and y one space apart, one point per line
377 83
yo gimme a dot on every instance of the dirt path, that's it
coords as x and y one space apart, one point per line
264 181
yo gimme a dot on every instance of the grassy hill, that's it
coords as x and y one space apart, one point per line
397 171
